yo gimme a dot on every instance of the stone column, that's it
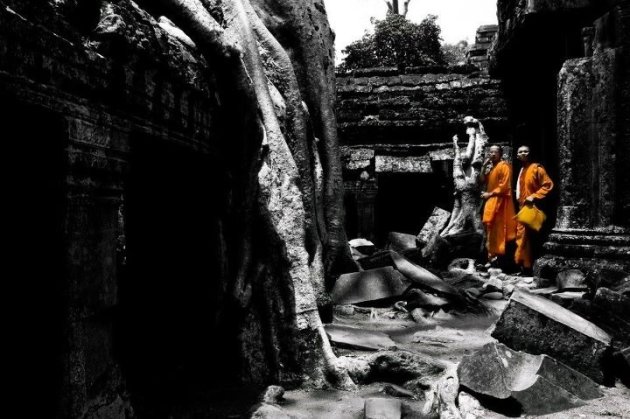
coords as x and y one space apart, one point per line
366 200
592 232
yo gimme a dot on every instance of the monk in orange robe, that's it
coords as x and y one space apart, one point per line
498 212
533 184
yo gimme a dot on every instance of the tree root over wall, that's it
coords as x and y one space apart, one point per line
283 230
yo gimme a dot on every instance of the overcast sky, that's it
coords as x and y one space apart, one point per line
459 19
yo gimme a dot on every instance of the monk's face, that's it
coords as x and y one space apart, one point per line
523 154
495 154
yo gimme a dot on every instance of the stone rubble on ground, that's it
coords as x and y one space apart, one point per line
536 325
400 242
357 338
368 286
381 408
538 383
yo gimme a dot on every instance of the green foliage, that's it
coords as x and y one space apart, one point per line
455 54
396 42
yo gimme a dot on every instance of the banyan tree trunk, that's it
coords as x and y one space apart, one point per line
273 62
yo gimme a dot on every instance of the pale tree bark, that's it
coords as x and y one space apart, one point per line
273 164
393 7
311 52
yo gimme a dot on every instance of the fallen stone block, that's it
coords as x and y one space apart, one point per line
398 367
571 279
361 248
614 302
566 298
462 266
399 242
360 242
380 408
547 291
538 383
432 227
377 260
536 325
358 338
622 365
470 407
495 295
416 298
397 391
422 317
370 285
420 276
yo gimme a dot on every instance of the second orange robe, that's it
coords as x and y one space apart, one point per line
534 182
498 212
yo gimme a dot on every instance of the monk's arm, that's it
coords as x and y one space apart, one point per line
545 181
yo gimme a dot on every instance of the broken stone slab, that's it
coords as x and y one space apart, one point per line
622 365
539 383
397 391
614 302
547 291
417 298
370 285
360 242
571 279
381 408
469 406
362 246
358 338
421 276
494 295
461 267
399 242
422 317
566 298
536 325
445 249
432 227
377 260
398 367
269 411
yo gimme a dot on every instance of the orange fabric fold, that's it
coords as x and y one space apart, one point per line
498 212
535 182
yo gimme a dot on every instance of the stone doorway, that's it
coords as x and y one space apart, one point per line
171 282
405 201
33 145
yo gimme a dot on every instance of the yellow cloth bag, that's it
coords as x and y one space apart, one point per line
531 216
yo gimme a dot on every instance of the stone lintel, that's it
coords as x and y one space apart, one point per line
398 164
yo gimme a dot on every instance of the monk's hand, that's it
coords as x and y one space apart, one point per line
529 201
486 195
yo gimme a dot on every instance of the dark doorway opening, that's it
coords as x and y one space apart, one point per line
405 201
33 150
169 287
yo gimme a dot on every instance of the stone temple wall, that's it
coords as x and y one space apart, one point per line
573 109
396 132
77 112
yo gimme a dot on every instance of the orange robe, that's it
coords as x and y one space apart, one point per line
498 212
533 181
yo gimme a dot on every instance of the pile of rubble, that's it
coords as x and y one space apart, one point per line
553 348
541 346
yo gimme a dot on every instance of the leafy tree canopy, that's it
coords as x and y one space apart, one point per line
396 42
455 54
